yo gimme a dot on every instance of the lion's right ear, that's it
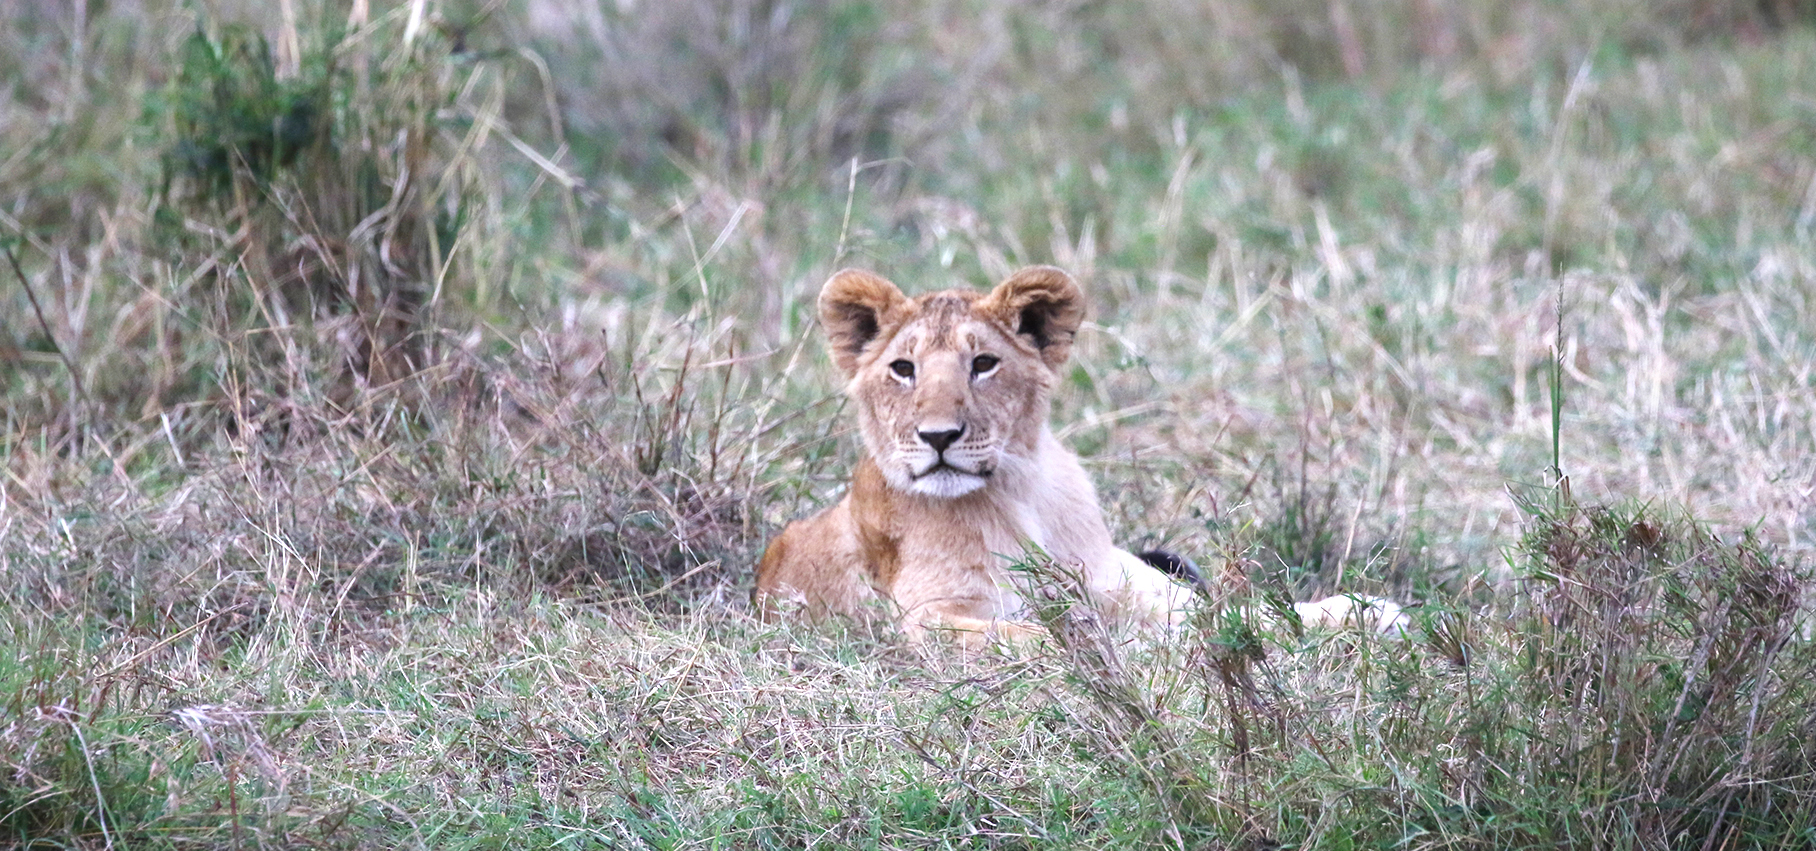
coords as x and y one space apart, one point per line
853 306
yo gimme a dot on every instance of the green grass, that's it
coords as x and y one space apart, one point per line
407 397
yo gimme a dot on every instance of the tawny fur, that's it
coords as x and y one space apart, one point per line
930 530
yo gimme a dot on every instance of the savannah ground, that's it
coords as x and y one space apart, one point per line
396 397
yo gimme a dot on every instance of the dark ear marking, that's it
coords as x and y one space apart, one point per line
858 324
1041 304
854 307
1034 324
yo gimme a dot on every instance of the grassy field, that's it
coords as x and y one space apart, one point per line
396 397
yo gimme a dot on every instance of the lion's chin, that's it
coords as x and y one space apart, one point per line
946 483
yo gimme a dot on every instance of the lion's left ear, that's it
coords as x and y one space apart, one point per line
1043 305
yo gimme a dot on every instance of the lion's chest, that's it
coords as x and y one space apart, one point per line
966 557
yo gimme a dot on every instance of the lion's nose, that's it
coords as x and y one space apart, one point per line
939 440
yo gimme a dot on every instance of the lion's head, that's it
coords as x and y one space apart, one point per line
951 386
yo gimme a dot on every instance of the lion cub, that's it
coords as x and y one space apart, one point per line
959 469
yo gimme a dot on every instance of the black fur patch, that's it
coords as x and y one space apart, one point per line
1172 564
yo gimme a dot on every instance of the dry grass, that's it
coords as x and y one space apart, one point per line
410 387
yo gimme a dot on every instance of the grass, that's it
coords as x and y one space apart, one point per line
395 399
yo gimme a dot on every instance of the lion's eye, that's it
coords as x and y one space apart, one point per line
983 363
903 368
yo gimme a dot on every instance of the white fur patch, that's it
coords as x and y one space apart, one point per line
1355 610
946 484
